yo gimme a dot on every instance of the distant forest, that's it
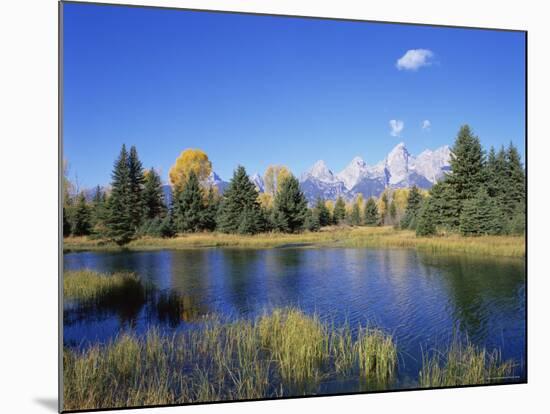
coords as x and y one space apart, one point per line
483 194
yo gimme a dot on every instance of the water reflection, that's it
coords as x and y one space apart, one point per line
420 298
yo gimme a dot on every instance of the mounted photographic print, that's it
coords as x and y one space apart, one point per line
260 207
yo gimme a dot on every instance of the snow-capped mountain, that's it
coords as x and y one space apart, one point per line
320 182
258 181
399 169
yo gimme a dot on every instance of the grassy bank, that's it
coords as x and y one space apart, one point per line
282 353
374 237
463 364
94 287
279 354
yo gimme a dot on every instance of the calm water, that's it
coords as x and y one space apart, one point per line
420 298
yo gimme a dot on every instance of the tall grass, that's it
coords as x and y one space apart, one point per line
345 236
463 364
377 354
298 343
282 353
89 286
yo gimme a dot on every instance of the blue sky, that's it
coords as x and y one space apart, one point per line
260 90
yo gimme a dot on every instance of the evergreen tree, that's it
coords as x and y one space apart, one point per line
371 213
189 205
414 201
514 194
467 173
289 206
311 222
210 210
517 223
240 211
425 222
99 212
339 214
481 215
82 223
355 217
153 196
167 227
120 227
322 212
443 203
135 172
66 223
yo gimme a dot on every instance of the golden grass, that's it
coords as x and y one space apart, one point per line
464 364
87 285
345 236
239 360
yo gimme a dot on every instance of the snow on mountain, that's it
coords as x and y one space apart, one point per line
320 172
399 169
258 181
433 164
216 181
397 164
353 173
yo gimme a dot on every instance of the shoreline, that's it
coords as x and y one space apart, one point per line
333 237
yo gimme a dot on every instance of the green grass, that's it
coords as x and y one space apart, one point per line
464 364
345 236
282 353
90 286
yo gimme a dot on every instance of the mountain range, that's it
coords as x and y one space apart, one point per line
399 169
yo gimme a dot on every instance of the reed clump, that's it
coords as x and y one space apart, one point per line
377 354
90 286
282 353
297 342
464 364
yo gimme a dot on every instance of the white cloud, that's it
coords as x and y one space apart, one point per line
426 124
396 127
414 59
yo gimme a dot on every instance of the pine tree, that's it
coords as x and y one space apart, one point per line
311 222
240 210
371 213
467 173
339 214
189 205
153 196
289 206
82 222
414 201
322 212
481 215
425 222
517 223
135 171
99 212
355 217
443 203
210 210
167 227
66 223
514 182
120 227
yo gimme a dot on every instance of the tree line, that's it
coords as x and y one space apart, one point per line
482 194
